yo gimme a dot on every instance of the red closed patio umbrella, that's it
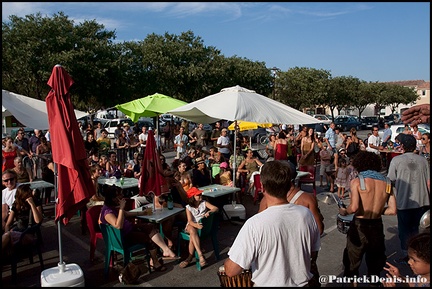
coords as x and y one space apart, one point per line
69 155
152 179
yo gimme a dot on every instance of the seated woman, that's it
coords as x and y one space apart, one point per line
196 209
225 175
200 174
113 213
251 166
26 209
96 199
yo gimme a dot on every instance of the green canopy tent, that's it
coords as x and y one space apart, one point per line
149 106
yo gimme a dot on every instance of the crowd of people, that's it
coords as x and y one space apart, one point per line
286 258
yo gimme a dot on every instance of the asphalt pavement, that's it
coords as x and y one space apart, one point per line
75 249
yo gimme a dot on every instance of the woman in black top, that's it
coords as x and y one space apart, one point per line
26 211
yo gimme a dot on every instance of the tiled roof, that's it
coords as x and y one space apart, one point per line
420 84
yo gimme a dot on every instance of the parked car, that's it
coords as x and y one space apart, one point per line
111 125
323 118
359 119
370 121
346 122
393 118
399 128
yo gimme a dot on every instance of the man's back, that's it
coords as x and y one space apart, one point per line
284 236
372 199
410 174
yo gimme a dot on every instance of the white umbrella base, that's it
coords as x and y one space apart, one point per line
69 275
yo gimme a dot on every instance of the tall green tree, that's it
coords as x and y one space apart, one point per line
34 44
365 97
398 95
302 87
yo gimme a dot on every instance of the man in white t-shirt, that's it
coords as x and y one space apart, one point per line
223 144
143 139
9 179
374 141
282 259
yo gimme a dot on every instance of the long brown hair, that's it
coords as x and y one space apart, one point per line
23 192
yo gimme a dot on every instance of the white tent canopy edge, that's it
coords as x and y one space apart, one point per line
29 111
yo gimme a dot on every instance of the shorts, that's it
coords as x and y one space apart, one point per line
323 168
330 169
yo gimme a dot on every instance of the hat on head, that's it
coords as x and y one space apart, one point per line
199 160
223 165
224 129
408 141
341 150
126 124
194 191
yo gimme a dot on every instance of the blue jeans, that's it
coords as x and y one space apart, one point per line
408 224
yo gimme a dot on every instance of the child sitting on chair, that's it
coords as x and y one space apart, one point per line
195 211
225 175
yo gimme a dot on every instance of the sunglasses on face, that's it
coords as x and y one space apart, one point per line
8 180
424 138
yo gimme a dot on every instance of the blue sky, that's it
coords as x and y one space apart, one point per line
381 41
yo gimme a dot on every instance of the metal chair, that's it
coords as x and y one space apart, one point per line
114 242
309 179
209 230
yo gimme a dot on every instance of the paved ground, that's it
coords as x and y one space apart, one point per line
75 249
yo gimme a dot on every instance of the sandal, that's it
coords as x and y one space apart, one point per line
184 264
202 261
160 268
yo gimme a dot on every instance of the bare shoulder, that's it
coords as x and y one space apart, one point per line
307 200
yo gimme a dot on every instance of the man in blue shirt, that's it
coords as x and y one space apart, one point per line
330 137
386 134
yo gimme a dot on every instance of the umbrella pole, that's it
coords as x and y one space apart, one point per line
61 264
235 158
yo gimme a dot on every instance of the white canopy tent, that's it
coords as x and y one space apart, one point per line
29 111
238 103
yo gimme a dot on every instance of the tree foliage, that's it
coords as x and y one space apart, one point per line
302 87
